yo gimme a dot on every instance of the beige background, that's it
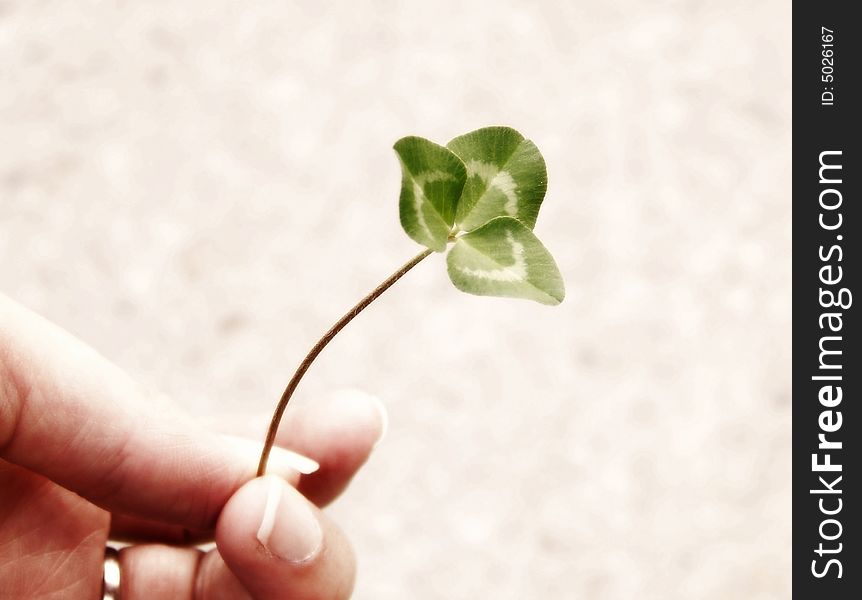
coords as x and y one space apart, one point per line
200 188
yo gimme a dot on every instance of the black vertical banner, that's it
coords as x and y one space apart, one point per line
827 374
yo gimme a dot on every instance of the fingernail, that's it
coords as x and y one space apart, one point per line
288 529
384 419
281 458
281 461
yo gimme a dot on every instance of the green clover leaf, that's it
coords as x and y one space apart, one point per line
433 178
506 177
504 258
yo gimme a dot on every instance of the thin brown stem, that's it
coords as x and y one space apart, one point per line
318 348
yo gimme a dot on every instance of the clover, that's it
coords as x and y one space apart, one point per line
479 194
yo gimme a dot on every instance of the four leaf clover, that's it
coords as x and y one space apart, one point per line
482 193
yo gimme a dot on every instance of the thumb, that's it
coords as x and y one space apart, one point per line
279 545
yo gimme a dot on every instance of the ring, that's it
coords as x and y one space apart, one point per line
111 574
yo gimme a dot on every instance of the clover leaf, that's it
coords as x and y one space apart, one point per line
504 258
433 178
506 177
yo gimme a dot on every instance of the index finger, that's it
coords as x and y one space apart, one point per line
69 414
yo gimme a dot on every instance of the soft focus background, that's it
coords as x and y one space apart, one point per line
200 188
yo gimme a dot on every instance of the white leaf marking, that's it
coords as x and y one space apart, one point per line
511 273
494 178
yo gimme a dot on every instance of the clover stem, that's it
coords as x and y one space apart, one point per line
318 348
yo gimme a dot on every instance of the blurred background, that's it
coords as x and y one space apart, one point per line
199 189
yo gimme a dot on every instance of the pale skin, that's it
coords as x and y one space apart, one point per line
86 455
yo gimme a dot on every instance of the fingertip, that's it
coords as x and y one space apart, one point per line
362 414
279 545
340 433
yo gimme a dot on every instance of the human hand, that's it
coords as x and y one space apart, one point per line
85 454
